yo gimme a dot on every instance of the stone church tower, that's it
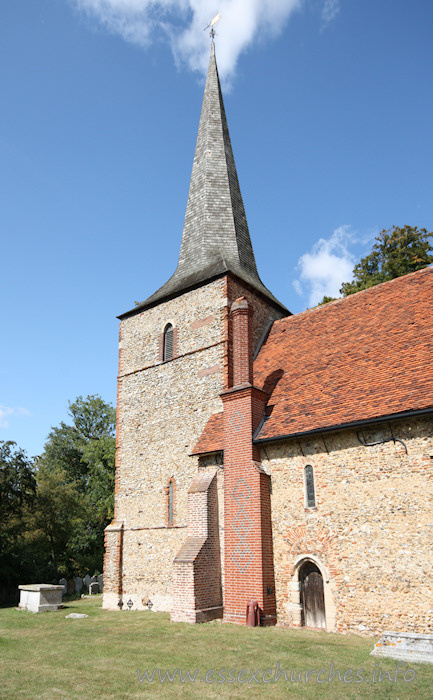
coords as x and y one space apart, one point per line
183 353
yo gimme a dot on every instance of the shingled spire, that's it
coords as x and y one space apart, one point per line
215 236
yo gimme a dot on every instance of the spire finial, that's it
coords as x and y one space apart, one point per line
212 24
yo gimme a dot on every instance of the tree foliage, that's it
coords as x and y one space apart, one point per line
76 487
17 494
396 252
53 510
58 512
326 300
17 481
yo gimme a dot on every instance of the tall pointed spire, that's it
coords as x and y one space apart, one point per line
215 235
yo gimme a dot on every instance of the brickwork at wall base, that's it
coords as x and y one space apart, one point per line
110 601
196 616
159 603
234 618
268 620
237 619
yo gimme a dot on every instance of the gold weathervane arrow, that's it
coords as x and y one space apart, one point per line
212 24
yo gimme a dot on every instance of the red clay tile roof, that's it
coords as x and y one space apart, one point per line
363 357
367 356
211 439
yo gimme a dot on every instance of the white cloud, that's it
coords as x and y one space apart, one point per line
331 8
6 411
326 266
181 23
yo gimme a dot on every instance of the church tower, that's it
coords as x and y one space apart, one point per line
178 362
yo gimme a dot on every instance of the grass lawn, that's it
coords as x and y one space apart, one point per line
47 656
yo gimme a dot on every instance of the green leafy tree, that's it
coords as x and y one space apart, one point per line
397 252
17 481
326 300
58 512
17 494
76 487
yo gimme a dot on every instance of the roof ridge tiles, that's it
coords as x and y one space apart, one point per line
375 289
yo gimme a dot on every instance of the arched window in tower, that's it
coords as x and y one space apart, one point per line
310 496
168 343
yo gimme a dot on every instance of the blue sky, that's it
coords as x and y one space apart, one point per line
329 107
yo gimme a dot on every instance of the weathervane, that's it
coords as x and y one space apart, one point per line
212 24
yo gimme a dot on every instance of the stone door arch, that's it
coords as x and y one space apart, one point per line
312 596
303 566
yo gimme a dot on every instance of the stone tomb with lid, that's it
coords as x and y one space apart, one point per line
40 597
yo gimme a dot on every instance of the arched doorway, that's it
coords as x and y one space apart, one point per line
312 596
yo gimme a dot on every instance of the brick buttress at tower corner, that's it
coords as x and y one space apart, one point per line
249 569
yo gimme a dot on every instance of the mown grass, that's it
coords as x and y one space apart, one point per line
47 656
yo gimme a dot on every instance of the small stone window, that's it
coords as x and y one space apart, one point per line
170 492
310 496
168 343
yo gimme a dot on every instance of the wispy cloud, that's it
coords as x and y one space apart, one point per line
330 10
329 263
181 24
7 411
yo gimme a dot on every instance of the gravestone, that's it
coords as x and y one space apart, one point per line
405 646
70 587
78 585
94 579
86 581
94 588
63 582
101 582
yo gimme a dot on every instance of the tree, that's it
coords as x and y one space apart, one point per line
17 494
53 511
397 252
326 300
17 481
75 477
58 512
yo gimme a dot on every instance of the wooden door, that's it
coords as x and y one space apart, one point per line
313 600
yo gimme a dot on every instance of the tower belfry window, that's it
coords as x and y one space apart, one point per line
168 342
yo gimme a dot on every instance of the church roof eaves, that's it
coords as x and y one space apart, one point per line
211 440
173 288
342 426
